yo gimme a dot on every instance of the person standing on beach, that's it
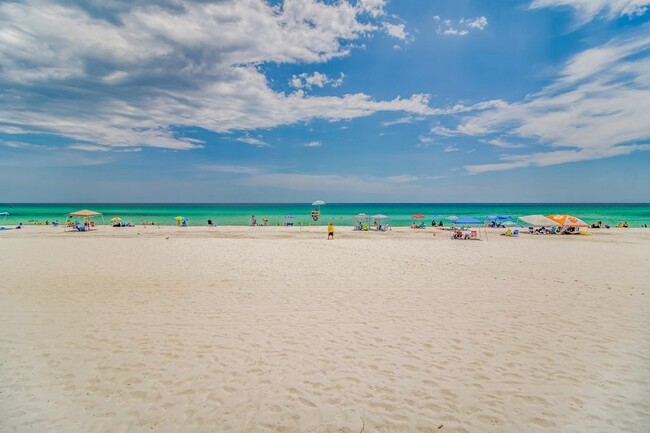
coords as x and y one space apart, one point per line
330 231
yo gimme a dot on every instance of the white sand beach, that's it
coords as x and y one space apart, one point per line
276 329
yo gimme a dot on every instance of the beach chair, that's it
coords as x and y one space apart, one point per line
553 230
473 234
515 233
507 233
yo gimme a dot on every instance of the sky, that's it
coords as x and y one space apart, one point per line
345 101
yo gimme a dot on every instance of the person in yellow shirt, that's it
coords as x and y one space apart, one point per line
330 231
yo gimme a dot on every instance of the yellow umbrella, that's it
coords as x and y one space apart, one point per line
116 219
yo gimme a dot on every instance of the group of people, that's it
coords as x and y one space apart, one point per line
265 222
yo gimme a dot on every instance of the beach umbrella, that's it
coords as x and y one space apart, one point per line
452 218
568 220
418 216
538 220
85 213
318 203
116 219
178 218
5 215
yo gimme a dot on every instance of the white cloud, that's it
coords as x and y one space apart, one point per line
402 120
587 10
313 144
253 140
598 107
373 7
316 79
478 23
397 31
445 132
503 143
95 148
139 75
460 28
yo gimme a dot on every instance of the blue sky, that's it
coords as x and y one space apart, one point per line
346 101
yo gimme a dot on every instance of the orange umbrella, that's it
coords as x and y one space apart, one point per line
418 216
568 220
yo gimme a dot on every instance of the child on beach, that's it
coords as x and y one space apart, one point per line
330 231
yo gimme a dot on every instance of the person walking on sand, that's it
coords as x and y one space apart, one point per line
330 231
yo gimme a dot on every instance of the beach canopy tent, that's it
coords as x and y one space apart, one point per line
568 220
381 220
468 221
499 218
85 214
361 220
538 221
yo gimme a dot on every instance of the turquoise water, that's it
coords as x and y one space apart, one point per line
339 213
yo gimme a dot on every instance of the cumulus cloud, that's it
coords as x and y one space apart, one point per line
460 28
587 10
598 107
308 81
397 31
131 74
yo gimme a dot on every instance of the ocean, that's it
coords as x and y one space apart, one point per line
339 213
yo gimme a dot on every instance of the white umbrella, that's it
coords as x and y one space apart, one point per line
318 203
538 220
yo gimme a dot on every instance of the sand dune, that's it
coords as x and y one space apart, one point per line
240 329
